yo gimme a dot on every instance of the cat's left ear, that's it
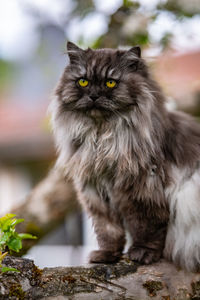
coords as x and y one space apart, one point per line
135 51
131 58
74 52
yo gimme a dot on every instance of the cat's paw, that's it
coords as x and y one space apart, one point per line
104 256
143 255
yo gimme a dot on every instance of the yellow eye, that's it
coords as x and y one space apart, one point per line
83 82
111 83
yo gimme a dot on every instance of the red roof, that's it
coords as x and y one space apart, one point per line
179 73
24 131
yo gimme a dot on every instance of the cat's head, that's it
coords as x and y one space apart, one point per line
103 82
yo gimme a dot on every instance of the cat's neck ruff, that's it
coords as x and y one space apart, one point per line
103 145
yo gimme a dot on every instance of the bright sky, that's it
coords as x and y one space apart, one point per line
14 26
18 37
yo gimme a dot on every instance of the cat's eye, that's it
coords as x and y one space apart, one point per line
111 83
83 82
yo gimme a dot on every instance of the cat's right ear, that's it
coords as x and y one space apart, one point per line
74 52
136 50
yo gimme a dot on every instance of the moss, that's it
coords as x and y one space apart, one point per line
68 278
153 287
36 275
195 290
16 291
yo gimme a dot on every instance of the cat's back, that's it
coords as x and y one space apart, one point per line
182 139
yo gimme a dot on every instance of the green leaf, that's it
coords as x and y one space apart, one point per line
8 236
6 217
8 221
16 221
15 244
5 237
6 224
26 236
7 269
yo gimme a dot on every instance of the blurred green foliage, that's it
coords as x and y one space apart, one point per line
179 10
6 73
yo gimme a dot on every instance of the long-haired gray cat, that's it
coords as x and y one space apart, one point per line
134 164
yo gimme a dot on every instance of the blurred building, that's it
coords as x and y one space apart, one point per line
26 151
26 144
179 75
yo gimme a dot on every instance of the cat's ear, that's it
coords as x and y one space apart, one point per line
136 51
74 52
131 58
72 47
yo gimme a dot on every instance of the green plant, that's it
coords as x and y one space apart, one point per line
10 240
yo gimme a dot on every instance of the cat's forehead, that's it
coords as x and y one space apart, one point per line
101 63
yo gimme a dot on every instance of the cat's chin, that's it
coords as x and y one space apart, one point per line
97 113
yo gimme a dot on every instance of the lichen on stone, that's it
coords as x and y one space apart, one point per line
195 290
153 287
16 291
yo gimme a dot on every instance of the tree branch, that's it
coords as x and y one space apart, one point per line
46 206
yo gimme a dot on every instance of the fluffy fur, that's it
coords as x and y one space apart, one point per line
134 164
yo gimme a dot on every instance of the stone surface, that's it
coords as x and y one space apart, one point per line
123 280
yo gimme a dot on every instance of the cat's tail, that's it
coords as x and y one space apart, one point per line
183 236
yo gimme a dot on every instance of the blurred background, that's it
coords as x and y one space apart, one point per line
33 35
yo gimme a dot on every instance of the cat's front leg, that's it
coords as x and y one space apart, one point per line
108 225
148 232
111 240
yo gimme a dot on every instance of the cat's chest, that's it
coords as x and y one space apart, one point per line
95 157
101 151
104 163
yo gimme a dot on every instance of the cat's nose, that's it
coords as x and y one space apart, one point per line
94 97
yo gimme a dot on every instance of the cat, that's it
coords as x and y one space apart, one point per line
134 164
